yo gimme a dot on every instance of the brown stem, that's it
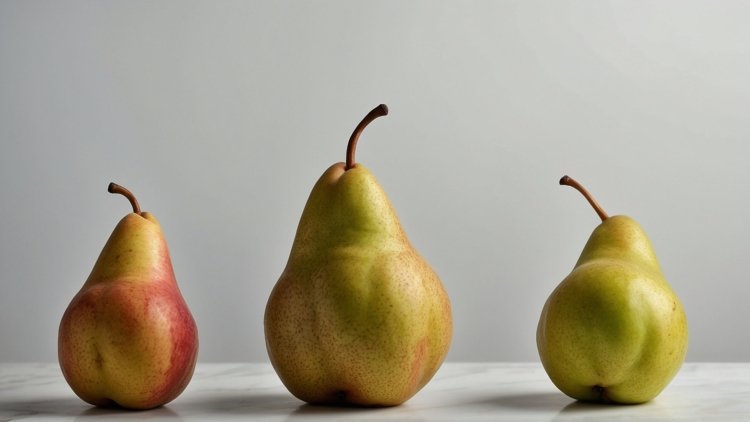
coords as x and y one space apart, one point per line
115 188
569 181
381 110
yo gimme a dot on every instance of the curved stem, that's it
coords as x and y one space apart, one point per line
381 110
115 188
569 181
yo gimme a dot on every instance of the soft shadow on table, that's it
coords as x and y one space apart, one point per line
533 402
75 407
602 410
352 413
584 407
309 409
555 402
160 413
268 404
239 404
42 407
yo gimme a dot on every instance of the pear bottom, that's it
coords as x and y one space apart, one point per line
129 344
612 333
356 341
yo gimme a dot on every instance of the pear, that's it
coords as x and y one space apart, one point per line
358 317
127 338
613 331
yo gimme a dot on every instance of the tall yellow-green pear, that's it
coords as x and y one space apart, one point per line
357 317
128 338
613 330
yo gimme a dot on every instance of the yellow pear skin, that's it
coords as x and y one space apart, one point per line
357 317
127 338
613 331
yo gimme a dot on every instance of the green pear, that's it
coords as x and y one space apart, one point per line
357 317
128 338
613 331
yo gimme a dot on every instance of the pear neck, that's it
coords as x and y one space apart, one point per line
347 209
620 238
135 252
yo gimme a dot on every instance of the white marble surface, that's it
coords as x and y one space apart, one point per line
459 392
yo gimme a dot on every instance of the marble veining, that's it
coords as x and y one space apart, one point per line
459 392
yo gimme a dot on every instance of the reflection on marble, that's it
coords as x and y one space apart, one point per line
459 391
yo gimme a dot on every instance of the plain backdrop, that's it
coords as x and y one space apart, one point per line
220 116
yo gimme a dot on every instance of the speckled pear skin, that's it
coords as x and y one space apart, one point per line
613 330
357 317
128 338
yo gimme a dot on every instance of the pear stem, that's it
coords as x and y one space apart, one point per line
115 188
569 181
381 110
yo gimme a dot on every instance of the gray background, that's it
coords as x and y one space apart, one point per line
220 116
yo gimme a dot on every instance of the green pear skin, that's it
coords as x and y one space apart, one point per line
613 330
357 317
128 338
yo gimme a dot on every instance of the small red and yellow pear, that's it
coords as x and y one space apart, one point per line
357 317
613 330
128 338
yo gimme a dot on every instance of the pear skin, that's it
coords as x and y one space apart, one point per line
357 317
613 331
128 338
